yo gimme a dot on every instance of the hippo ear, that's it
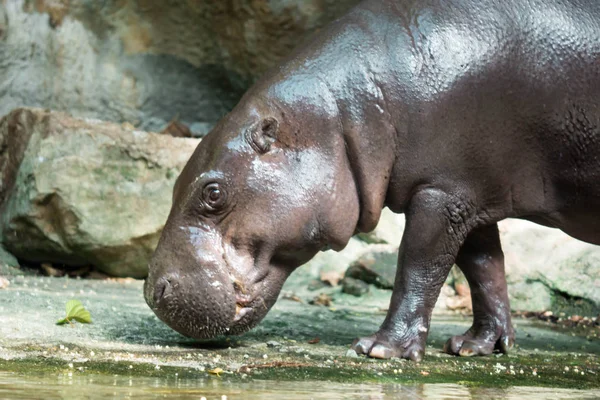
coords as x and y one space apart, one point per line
263 134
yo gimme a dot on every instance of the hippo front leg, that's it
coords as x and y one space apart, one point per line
436 226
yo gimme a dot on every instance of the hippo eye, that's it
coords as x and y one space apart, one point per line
214 196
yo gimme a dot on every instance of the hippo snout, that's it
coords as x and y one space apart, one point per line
162 289
196 304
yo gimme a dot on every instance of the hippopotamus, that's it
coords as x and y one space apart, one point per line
457 113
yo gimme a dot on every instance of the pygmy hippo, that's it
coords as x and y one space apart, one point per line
457 113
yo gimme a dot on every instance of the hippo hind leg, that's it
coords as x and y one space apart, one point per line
482 261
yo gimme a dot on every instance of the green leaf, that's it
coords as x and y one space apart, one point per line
75 312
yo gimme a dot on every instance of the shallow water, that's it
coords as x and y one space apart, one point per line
63 386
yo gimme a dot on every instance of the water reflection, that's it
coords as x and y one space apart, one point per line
63 386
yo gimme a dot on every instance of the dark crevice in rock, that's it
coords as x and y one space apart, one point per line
15 134
563 302
570 305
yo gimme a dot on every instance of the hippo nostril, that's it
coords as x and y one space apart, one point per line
161 289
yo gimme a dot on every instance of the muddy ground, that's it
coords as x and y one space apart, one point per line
296 342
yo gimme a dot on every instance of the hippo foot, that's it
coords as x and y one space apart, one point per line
480 344
381 346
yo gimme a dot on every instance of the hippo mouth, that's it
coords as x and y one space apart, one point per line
243 306
241 312
247 308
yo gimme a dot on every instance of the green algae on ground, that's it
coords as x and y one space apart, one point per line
570 371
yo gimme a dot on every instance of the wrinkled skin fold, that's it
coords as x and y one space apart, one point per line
457 113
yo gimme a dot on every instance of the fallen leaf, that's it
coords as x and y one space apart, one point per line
321 300
49 270
292 297
75 312
216 371
177 129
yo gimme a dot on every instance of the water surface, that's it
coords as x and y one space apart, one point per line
64 386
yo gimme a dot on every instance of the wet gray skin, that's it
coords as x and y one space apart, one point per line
248 209
457 113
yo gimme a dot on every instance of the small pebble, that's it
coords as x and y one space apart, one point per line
4 282
351 353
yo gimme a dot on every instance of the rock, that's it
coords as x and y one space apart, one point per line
3 20
330 260
8 259
545 269
460 299
377 267
388 231
351 353
544 265
354 287
14 138
331 278
9 265
317 284
147 62
88 192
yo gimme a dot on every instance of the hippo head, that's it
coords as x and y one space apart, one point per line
264 191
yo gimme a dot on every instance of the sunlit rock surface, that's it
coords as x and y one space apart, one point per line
147 62
88 192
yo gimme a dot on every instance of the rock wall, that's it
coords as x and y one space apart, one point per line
146 62
88 193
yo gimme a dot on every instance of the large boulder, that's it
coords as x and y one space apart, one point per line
546 269
87 192
9 265
388 231
147 62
